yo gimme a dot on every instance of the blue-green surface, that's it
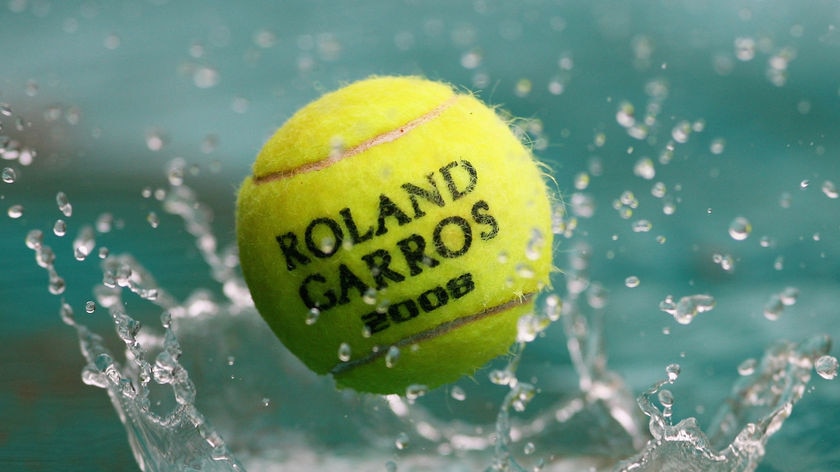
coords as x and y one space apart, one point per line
139 68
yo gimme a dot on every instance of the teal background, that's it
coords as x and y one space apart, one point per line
776 138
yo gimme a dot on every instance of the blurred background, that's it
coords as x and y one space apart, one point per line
695 142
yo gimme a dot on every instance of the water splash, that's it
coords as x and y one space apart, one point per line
155 397
735 441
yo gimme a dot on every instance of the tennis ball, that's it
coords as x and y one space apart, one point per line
393 232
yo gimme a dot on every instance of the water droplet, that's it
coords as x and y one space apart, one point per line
582 205
501 376
153 219
67 316
687 307
642 226
529 326
415 391
312 315
458 393
740 228
625 116
205 77
773 308
60 228
744 48
166 319
725 261
392 356
632 281
529 448
45 257
826 367
535 244
681 132
402 441
582 181
84 243
658 190
717 146
523 87
57 285
779 263
789 295
90 306
344 352
231 360
471 59
103 252
369 297
804 184
264 38
553 307
672 371
15 211
156 139
665 396
266 402
830 190
747 367
525 271
34 239
8 175
644 168
64 205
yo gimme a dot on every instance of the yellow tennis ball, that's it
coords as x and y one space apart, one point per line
393 232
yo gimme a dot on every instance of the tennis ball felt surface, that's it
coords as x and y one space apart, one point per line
393 232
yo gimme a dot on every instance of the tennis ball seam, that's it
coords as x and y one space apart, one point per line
342 154
439 330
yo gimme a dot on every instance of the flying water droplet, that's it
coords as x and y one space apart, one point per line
15 211
402 441
717 146
501 376
64 205
84 243
8 175
681 132
740 228
632 281
90 306
773 308
826 367
535 245
529 448
672 371
688 307
725 261
789 295
644 168
60 228
553 307
458 393
830 190
344 352
747 367
67 316
392 356
57 285
642 226
415 391
312 316
153 219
